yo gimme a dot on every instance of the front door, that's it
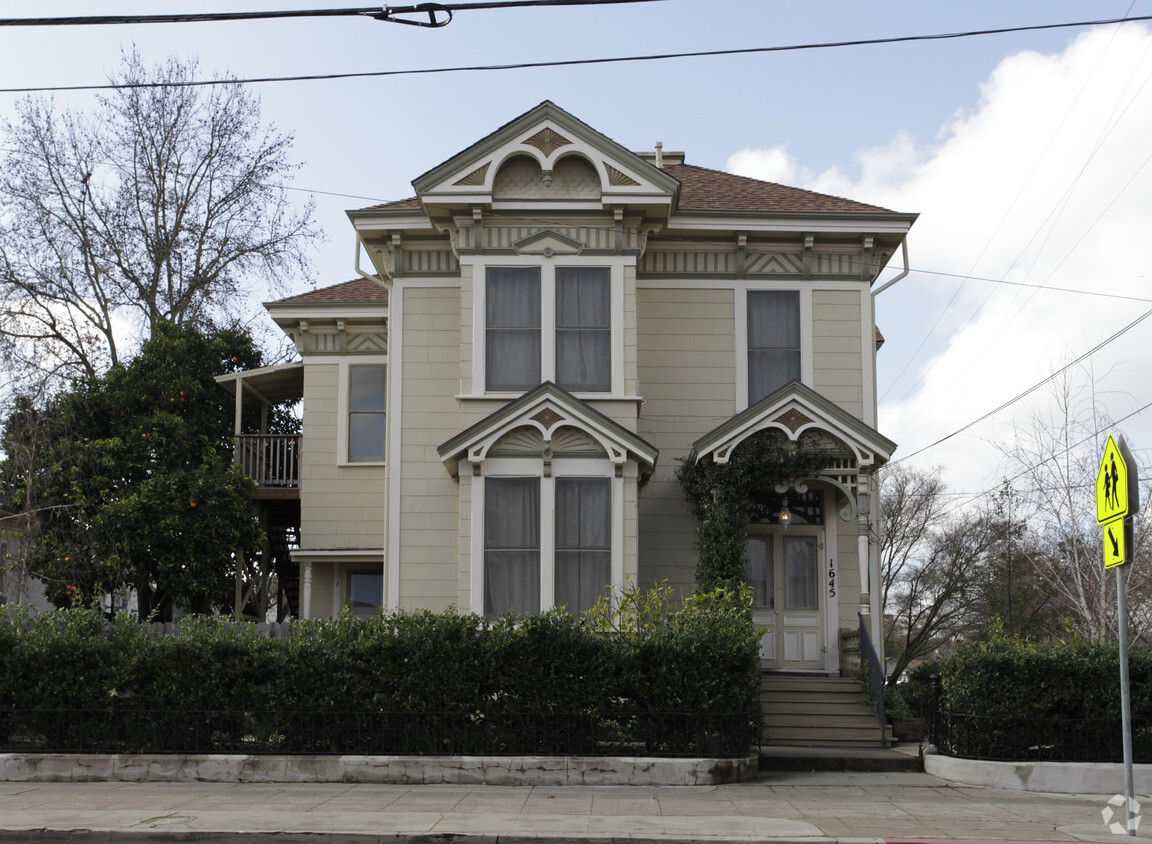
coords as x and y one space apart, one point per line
783 567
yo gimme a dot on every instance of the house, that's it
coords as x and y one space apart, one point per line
494 409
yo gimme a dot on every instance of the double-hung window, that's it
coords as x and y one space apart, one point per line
367 385
577 555
548 324
773 341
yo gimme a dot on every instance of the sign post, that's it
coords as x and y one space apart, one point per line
1117 498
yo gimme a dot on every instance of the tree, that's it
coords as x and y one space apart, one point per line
160 206
128 478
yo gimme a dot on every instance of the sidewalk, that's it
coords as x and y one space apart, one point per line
783 806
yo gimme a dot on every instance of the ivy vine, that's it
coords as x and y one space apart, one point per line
725 497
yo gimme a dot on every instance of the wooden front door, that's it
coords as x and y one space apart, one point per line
784 568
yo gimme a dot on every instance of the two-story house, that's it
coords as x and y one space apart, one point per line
494 409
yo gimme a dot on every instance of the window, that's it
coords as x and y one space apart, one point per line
773 341
511 545
548 324
583 541
583 329
365 592
366 412
512 352
575 550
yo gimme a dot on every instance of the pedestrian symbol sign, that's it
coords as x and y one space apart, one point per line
1112 484
1115 544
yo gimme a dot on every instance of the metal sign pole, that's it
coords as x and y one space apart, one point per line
1125 695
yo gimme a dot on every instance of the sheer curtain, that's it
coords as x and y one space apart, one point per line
803 572
584 328
583 541
758 568
511 545
773 341
512 310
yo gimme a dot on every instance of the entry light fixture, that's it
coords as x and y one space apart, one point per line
785 515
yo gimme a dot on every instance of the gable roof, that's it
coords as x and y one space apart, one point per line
348 292
548 408
703 189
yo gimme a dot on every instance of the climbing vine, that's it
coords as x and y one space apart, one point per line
725 497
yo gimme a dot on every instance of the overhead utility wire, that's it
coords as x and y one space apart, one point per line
1030 390
576 62
380 13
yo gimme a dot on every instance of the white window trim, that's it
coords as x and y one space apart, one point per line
740 301
342 421
547 265
527 467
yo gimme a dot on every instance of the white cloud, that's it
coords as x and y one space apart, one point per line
1045 181
774 164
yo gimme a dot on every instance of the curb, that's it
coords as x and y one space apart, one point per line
88 836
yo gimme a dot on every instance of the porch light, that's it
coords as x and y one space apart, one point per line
785 515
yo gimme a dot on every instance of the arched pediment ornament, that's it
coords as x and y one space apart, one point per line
547 141
547 417
476 177
793 420
618 179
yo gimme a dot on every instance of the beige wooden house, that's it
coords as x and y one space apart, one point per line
494 409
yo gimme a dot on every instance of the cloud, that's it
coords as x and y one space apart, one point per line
1043 182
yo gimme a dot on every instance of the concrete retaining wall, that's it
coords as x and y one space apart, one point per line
464 770
1054 777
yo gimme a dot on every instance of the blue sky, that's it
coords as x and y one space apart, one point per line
1023 152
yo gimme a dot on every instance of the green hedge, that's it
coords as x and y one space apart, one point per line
702 661
1010 698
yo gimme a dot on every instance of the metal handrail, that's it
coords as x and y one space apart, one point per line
875 678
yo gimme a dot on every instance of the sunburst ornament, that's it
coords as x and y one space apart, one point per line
547 141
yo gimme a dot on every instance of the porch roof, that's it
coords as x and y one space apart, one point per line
268 384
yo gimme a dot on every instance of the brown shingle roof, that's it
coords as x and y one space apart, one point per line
357 290
412 203
712 190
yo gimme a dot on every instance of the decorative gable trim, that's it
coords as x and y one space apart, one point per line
548 243
476 177
795 409
548 409
547 140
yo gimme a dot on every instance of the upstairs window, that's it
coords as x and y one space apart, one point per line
548 324
512 351
773 341
367 387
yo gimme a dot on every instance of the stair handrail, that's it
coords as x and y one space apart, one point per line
875 677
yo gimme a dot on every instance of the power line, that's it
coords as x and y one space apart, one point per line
380 13
1098 293
863 42
1030 390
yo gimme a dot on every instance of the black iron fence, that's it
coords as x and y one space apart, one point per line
1038 739
39 730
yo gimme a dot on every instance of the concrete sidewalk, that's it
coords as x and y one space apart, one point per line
791 806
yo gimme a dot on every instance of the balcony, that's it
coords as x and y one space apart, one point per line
273 461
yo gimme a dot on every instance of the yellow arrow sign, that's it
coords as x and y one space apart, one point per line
1115 548
1112 485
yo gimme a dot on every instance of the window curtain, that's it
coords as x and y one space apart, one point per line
803 572
584 329
583 541
512 308
773 341
758 569
511 546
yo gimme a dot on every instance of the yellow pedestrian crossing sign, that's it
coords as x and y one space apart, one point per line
1115 543
1117 494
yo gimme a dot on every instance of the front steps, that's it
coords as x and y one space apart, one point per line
817 711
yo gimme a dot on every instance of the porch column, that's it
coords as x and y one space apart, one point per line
305 590
862 536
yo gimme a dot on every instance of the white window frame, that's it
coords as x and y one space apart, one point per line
527 467
343 382
547 265
741 318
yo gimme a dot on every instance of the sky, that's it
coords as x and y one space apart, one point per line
1026 154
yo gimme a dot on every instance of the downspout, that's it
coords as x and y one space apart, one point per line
904 272
382 278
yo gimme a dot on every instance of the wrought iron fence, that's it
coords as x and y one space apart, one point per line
1038 739
32 730
876 677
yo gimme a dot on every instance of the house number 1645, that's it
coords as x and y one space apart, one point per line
831 578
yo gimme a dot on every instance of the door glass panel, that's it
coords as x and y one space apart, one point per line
758 568
802 573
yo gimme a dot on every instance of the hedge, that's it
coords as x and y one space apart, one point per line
1006 697
550 668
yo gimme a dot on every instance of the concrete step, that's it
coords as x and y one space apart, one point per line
873 759
817 712
811 707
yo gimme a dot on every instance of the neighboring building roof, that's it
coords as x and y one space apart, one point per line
703 189
357 290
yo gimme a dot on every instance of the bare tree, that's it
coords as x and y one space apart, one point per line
164 203
910 505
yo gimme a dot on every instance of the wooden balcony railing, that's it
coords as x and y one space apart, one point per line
272 460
